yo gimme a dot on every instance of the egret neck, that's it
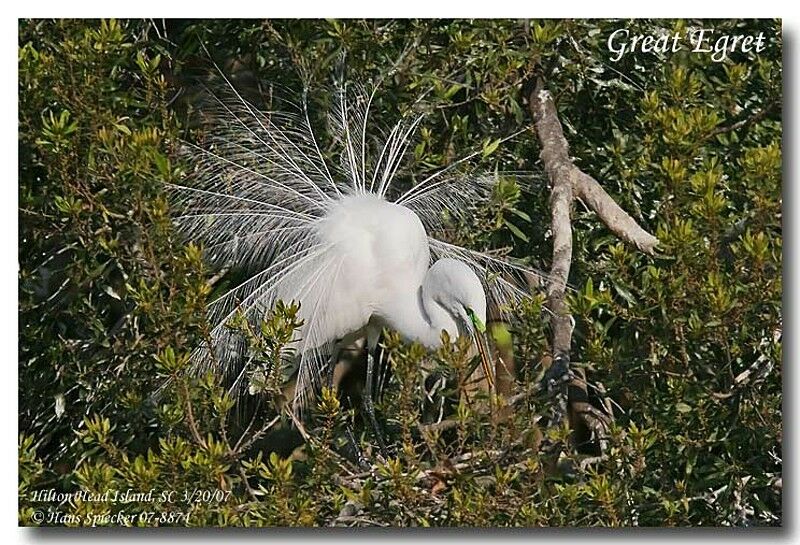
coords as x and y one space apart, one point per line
418 319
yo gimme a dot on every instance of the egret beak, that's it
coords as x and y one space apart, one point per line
479 336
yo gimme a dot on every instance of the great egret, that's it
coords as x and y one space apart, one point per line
339 239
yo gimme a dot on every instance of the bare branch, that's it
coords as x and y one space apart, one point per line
752 118
190 416
569 182
243 446
560 168
615 218
451 423
217 277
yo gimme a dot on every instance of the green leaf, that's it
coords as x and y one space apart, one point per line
516 230
625 294
490 147
452 90
520 214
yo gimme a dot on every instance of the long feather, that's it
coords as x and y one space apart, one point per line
258 196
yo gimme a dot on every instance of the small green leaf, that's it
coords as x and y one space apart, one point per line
625 294
490 148
452 90
516 230
520 214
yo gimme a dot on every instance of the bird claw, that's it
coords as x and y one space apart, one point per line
556 381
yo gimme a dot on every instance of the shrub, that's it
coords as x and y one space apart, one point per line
687 344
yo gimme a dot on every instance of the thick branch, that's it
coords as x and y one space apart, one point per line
569 182
557 164
555 156
616 219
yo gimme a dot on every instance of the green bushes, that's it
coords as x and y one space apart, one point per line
104 286
687 344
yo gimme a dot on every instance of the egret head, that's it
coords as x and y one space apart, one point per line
456 287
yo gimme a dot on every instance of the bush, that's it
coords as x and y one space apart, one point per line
687 344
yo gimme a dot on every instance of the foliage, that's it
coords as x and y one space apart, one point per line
687 344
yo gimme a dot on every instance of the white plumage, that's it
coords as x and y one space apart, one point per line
339 239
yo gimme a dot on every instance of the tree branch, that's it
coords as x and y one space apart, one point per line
555 156
569 182
560 169
616 219
752 118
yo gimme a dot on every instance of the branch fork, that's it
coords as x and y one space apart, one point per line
568 183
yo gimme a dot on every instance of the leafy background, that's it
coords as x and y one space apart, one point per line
687 344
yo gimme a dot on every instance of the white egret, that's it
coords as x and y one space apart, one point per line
357 254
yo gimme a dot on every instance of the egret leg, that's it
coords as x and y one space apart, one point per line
331 367
369 406
332 361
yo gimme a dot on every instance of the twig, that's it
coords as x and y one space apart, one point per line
217 277
190 416
248 428
361 521
450 423
250 491
297 424
242 447
753 118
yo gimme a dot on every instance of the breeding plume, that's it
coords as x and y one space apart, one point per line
338 236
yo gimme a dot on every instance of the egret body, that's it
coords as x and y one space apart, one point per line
356 254
386 278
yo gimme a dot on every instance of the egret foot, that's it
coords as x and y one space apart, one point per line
557 375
